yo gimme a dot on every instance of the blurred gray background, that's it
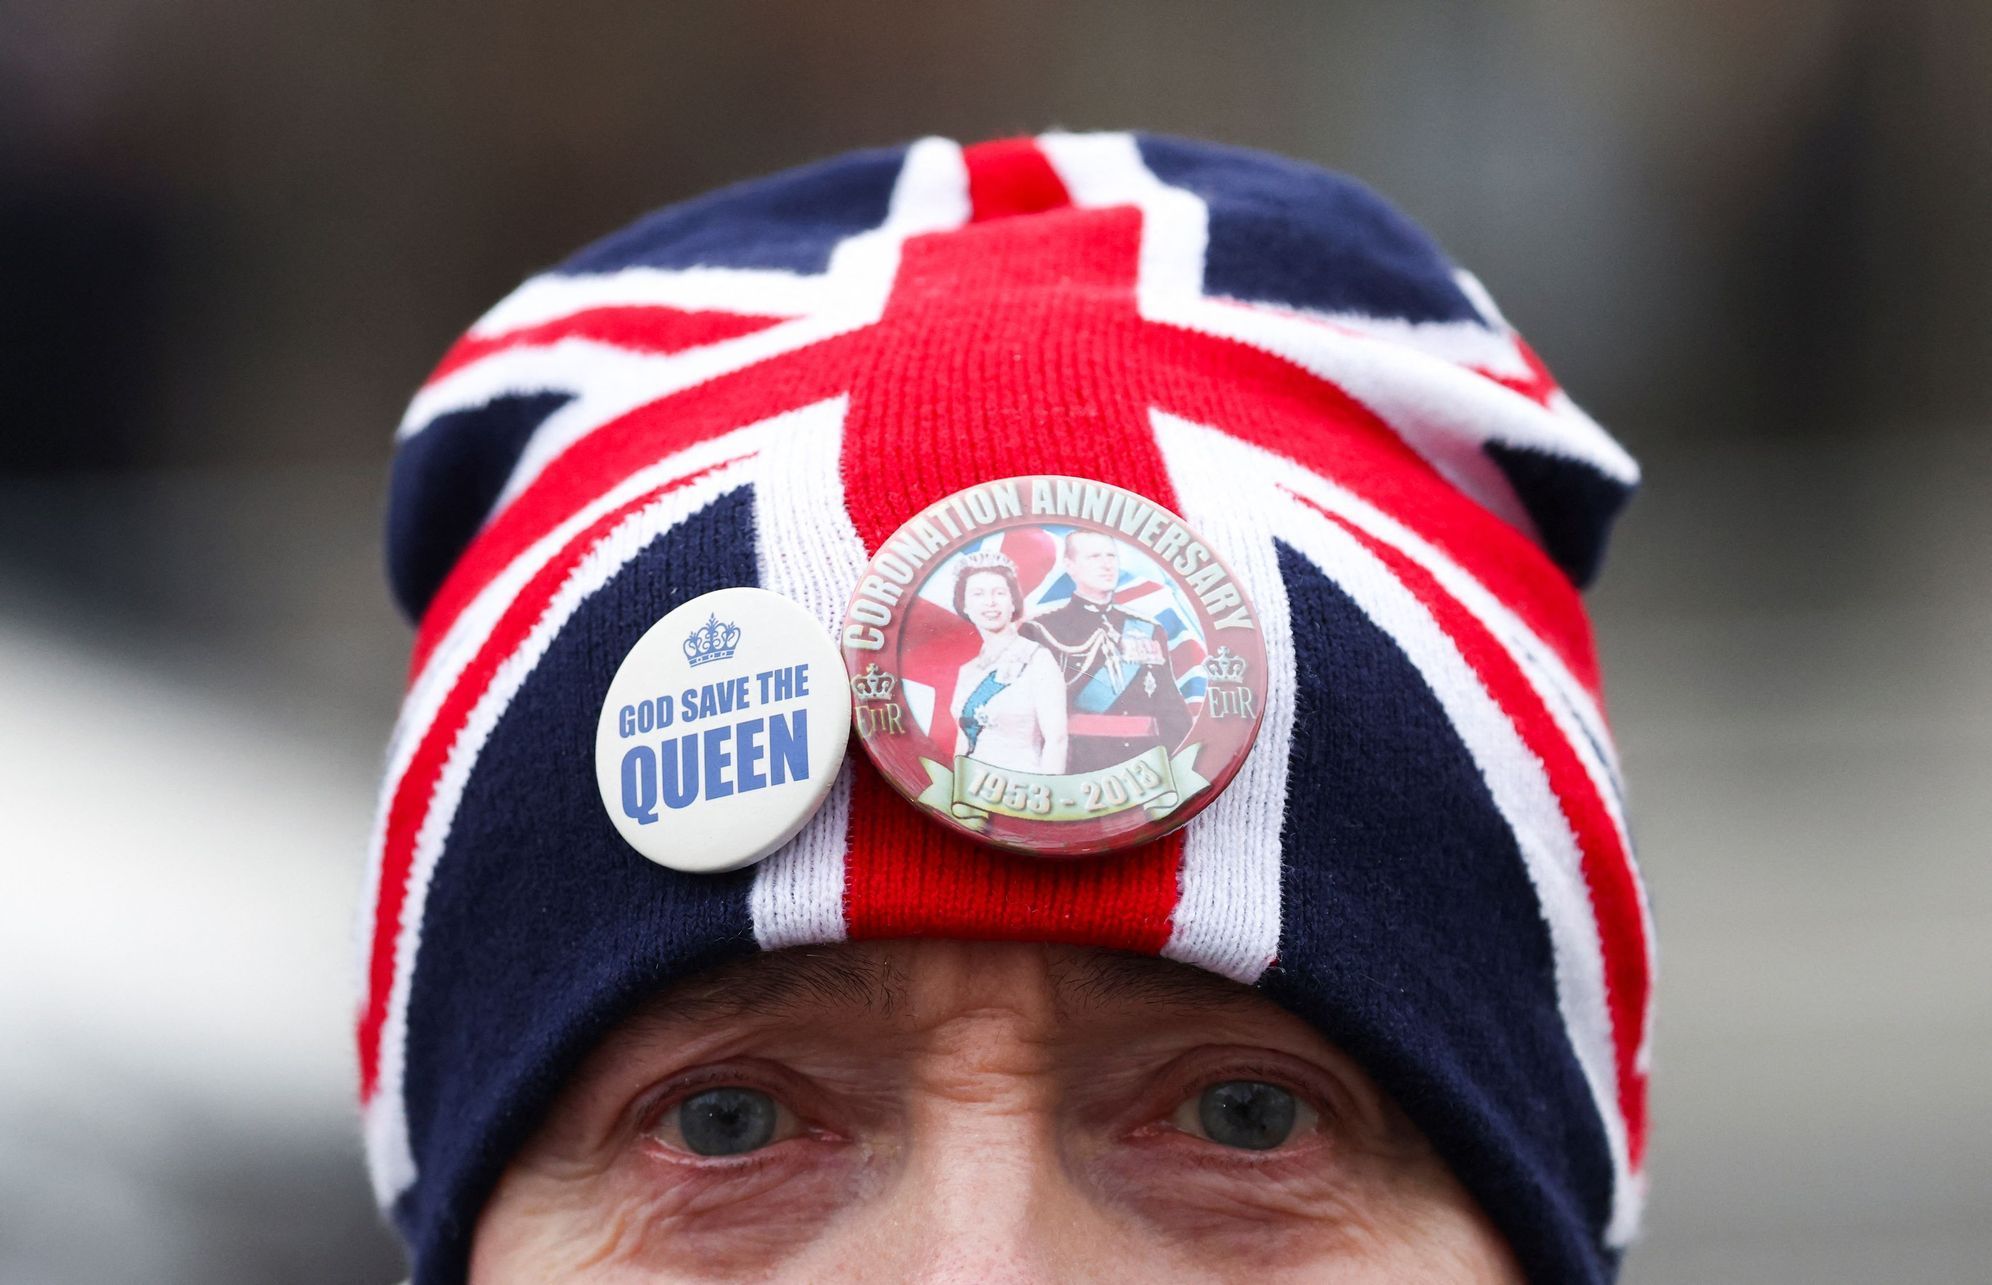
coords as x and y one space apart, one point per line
1750 235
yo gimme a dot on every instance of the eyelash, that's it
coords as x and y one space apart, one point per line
1187 1088
653 1109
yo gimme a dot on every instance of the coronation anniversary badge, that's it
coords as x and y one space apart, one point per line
1054 665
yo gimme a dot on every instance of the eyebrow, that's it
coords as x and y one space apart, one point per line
839 978
1103 977
798 977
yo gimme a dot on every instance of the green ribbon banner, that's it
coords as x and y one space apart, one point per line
1152 780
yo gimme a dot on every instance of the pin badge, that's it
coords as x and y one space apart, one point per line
1054 665
722 731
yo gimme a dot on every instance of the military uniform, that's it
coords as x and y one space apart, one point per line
1116 667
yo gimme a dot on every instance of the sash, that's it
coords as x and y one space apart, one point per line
971 709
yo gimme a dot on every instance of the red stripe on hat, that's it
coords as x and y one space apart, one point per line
1607 866
416 791
1056 291
1002 352
905 876
1282 408
638 329
608 455
1539 386
1011 176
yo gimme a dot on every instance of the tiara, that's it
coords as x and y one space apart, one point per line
984 560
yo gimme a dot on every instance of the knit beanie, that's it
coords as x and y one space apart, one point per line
1423 853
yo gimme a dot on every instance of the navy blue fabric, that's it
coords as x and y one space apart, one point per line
1302 237
1410 935
791 220
1573 505
445 480
549 927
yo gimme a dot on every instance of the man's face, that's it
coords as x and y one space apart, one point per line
1093 563
975 1111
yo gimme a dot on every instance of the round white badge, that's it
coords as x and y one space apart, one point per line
722 731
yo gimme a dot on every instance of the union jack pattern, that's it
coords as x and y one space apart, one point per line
758 387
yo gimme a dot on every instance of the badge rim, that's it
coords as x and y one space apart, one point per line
1035 837
821 782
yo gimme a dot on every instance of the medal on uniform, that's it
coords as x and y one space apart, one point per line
1054 665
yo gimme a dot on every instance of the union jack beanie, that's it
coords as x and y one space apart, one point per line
1425 854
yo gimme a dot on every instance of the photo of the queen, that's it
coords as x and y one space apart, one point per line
1043 683
1009 700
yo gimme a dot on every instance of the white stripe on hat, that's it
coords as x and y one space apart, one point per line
808 551
762 292
1227 916
1577 714
1444 411
1521 791
466 634
606 382
1107 169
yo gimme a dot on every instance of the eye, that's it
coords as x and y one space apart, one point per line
726 1121
1250 1115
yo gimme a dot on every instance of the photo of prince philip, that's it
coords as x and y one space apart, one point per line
1119 685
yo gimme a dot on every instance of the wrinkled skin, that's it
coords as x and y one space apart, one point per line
975 1112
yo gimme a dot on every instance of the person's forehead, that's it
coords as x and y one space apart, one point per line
874 978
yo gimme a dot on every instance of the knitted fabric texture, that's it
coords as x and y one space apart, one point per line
1425 854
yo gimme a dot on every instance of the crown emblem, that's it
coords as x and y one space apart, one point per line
874 684
713 640
1225 667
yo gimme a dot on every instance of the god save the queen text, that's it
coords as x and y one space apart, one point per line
716 759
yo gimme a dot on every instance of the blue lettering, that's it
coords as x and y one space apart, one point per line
747 751
715 763
639 785
679 771
717 760
626 721
719 698
788 746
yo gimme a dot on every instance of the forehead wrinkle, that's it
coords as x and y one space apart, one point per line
1101 978
782 983
807 980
